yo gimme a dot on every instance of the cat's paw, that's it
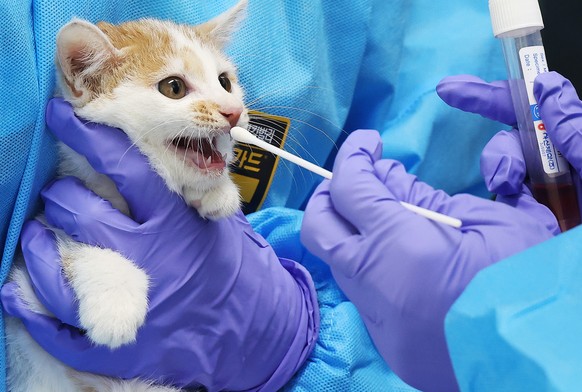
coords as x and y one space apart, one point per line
112 294
219 202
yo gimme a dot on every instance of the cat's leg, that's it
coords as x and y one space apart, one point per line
221 201
111 290
29 367
90 382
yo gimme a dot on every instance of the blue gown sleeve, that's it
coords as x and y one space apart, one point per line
517 325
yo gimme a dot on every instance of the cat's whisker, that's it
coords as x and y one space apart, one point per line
327 91
294 151
295 141
297 109
287 166
288 146
153 129
292 137
268 121
135 142
180 134
305 122
298 132
252 106
200 149
297 152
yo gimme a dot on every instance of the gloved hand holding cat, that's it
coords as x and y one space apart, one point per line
224 311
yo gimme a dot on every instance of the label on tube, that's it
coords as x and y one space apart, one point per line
533 62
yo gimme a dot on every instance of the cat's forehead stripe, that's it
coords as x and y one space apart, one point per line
139 40
186 48
153 45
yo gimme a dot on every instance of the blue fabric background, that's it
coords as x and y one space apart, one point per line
330 66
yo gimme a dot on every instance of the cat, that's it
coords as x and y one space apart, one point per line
174 92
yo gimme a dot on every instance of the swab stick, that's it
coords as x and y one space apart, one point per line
242 135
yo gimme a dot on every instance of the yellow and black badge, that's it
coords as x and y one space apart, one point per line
254 168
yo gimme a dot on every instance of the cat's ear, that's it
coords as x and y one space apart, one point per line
221 28
83 53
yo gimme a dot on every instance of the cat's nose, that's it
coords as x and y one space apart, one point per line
232 116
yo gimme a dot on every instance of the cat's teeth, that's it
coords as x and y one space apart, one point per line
208 161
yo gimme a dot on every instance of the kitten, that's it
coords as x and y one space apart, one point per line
175 94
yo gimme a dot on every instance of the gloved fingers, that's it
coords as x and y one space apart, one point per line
356 191
327 235
502 164
561 111
51 333
322 228
85 216
406 187
525 202
13 303
474 95
43 262
110 152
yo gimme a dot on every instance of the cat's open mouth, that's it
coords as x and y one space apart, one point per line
201 152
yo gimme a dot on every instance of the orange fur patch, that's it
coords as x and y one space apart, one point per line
147 46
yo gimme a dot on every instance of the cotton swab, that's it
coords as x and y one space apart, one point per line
243 136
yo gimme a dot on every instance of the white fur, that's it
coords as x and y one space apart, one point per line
31 369
112 292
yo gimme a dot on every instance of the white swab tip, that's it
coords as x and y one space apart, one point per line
242 135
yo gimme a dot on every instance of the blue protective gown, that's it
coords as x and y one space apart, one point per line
329 66
517 326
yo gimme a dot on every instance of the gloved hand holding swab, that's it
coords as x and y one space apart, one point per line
243 136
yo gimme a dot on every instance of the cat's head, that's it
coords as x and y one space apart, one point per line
170 87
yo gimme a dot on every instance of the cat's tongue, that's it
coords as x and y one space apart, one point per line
200 152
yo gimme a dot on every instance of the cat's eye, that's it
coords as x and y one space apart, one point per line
225 82
173 87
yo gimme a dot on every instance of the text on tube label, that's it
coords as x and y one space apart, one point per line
533 62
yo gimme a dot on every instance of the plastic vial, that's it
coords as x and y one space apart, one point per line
517 23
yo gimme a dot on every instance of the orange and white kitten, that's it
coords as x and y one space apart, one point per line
171 89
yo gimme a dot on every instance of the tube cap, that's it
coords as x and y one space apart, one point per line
515 17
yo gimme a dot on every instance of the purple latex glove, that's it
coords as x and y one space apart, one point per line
502 161
401 270
224 311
